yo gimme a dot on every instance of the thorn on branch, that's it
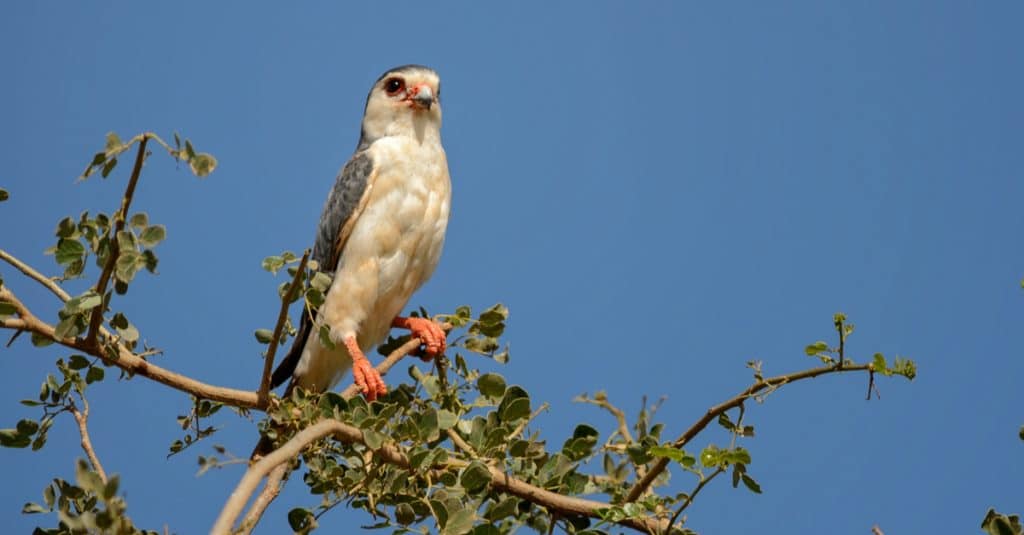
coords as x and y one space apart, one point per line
872 387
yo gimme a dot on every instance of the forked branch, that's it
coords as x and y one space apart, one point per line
644 484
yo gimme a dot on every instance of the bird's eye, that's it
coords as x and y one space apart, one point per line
394 85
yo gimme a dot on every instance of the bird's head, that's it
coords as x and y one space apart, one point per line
404 101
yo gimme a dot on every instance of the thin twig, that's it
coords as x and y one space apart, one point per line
113 248
619 415
263 394
842 340
460 443
522 425
33 274
693 495
82 417
659 466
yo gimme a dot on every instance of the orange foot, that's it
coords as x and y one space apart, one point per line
367 378
428 331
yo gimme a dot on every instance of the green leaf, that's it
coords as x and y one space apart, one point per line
514 405
301 519
325 337
878 363
678 455
67 327
7 309
404 514
108 167
711 456
815 348
428 425
264 336
202 164
4 195
139 220
373 439
273 263
128 264
446 419
738 455
11 438
905 367
39 340
321 281
32 508
491 385
152 235
113 142
126 241
581 444
83 303
999 524
475 477
496 314
66 228
28 427
68 251
459 522
94 374
314 297
110 489
751 484
124 328
503 509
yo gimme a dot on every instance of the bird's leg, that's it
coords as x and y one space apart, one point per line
367 378
428 331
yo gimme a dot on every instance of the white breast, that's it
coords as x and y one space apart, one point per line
393 249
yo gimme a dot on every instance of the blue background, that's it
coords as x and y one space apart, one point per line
660 192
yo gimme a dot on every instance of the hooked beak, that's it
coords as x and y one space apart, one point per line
422 96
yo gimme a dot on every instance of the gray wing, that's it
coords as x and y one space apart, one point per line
345 202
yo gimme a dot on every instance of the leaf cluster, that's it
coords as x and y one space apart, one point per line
88 506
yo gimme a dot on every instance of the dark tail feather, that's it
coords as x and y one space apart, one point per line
285 370
265 445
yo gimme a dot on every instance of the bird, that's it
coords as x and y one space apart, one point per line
380 234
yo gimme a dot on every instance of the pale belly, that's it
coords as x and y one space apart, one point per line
393 249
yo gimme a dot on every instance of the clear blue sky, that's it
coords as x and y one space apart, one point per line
659 192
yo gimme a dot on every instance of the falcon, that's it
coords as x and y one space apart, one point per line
380 234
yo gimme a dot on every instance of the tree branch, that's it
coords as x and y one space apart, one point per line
501 482
273 486
108 268
127 360
82 417
659 466
693 494
33 274
263 394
